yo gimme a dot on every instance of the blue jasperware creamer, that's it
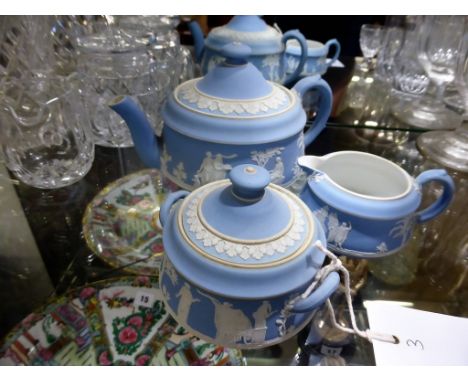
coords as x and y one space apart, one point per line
267 44
236 253
229 117
366 204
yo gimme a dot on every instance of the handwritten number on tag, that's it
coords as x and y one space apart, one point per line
415 343
144 299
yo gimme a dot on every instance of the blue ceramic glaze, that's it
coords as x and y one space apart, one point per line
266 42
366 204
316 61
227 276
229 117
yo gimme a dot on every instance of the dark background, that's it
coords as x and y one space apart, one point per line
314 27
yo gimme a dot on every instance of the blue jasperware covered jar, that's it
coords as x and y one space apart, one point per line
229 117
237 252
267 44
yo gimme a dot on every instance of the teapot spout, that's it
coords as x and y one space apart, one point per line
143 135
310 164
198 40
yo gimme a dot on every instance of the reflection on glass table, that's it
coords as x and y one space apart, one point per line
367 101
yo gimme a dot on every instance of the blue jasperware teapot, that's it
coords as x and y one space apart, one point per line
267 44
229 117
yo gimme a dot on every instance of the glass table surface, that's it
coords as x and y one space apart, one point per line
44 254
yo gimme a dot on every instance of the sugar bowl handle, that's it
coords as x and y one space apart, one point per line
319 296
169 202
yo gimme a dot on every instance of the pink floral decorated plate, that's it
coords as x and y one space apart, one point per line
113 322
121 224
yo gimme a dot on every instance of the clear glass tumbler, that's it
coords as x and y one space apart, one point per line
45 131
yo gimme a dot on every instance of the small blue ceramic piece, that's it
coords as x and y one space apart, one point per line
237 252
229 117
267 45
366 204
316 61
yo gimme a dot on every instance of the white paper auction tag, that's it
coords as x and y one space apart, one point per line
424 338
144 299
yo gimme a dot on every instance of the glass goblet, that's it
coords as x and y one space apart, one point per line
370 41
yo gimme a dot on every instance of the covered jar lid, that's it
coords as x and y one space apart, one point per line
234 104
244 237
250 30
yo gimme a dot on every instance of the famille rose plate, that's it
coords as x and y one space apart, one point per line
113 322
121 224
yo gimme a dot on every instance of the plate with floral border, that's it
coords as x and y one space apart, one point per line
113 322
121 224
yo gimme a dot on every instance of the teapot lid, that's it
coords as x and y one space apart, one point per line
250 30
245 222
234 89
244 229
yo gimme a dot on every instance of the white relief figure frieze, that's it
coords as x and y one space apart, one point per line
212 168
263 157
403 228
321 215
240 326
337 232
270 62
179 172
382 248
277 173
165 159
185 302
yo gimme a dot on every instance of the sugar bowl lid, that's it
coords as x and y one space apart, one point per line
244 237
250 30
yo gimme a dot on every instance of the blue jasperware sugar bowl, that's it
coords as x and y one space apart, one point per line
316 62
229 117
267 44
237 252
366 204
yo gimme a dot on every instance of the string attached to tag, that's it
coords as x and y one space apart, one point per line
335 265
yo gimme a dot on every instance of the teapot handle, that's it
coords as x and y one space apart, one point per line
296 35
325 104
318 297
443 201
168 203
328 44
